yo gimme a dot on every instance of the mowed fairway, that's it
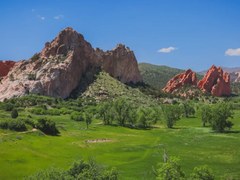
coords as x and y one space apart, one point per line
133 152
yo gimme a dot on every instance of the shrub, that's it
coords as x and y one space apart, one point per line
203 173
3 124
170 170
47 126
11 77
8 106
55 112
76 116
14 113
35 57
31 77
17 125
79 170
38 111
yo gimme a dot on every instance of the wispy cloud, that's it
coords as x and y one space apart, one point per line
167 50
41 17
232 52
58 17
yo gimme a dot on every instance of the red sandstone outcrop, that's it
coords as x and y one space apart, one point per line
186 78
59 67
5 67
216 82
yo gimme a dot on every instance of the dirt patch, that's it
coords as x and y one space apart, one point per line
98 140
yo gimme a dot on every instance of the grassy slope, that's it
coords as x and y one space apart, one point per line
158 76
133 152
106 86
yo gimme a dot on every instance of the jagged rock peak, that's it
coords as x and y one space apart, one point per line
186 78
121 47
67 40
216 82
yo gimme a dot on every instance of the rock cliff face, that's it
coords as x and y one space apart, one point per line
187 78
125 68
5 67
59 67
216 82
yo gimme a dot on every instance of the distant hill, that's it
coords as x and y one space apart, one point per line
157 76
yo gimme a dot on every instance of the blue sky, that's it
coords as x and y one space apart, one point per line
179 33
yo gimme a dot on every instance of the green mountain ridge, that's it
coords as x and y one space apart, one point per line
157 76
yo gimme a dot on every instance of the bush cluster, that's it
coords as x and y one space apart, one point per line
79 170
14 124
47 126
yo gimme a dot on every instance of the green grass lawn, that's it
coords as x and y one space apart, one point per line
133 152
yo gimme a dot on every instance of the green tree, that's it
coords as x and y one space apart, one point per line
83 170
88 119
122 111
206 114
202 173
147 117
188 109
219 119
14 113
47 126
170 170
105 112
172 113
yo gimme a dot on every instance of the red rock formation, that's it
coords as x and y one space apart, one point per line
216 82
5 67
186 78
59 67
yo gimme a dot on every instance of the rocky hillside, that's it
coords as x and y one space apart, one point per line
63 62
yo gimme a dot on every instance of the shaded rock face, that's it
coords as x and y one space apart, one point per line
5 67
121 64
216 82
59 67
187 78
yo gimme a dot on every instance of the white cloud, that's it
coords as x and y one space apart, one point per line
232 52
41 17
167 50
58 17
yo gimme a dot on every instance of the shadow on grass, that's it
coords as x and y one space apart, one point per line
232 132
227 132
